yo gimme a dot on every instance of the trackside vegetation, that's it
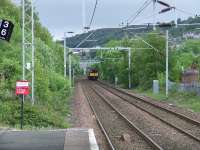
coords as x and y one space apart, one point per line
183 99
52 89
149 64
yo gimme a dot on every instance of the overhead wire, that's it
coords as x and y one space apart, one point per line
90 24
140 10
93 14
144 6
185 12
148 17
85 39
131 19
136 11
157 13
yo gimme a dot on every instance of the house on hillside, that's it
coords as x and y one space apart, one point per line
190 76
191 35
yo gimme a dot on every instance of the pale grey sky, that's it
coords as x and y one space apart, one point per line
66 15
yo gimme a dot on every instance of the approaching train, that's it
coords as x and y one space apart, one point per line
92 74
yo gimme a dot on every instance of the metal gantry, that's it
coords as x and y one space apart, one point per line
128 49
28 47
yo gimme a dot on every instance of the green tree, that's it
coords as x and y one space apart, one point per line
51 88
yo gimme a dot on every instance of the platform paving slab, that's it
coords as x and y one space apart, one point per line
69 139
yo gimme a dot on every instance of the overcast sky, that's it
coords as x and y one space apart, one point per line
66 15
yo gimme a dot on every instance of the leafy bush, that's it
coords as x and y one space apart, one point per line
51 89
34 116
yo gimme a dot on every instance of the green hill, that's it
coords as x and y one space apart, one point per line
106 34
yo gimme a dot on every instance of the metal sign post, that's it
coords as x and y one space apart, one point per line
22 89
22 112
73 74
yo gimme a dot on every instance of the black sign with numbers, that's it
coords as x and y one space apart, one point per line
6 28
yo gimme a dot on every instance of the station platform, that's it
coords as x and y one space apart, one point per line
69 139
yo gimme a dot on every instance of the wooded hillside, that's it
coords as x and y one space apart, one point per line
52 89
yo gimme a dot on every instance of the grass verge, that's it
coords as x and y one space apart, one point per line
187 100
35 117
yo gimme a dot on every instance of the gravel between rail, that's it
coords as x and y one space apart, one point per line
190 126
82 116
115 125
187 112
166 136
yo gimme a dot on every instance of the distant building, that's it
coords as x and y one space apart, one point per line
191 35
191 75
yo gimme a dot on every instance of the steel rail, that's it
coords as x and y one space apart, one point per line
98 120
181 116
153 144
157 117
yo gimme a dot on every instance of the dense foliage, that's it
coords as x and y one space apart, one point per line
52 89
148 64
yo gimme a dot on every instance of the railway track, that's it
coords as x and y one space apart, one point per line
114 124
180 122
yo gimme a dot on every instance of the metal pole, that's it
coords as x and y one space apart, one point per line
73 76
154 16
176 17
70 68
65 59
83 14
167 61
22 112
129 68
23 40
33 55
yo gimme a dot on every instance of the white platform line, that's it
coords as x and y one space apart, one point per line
3 130
92 139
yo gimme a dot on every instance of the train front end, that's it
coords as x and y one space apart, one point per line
93 74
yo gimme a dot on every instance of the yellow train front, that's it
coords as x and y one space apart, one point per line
92 74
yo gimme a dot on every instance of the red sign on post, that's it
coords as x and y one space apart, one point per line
22 87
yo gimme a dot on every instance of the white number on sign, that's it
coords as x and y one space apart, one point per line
4 32
6 24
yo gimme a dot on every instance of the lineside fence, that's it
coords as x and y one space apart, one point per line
185 87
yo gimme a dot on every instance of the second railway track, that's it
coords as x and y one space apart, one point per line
115 125
182 122
188 129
